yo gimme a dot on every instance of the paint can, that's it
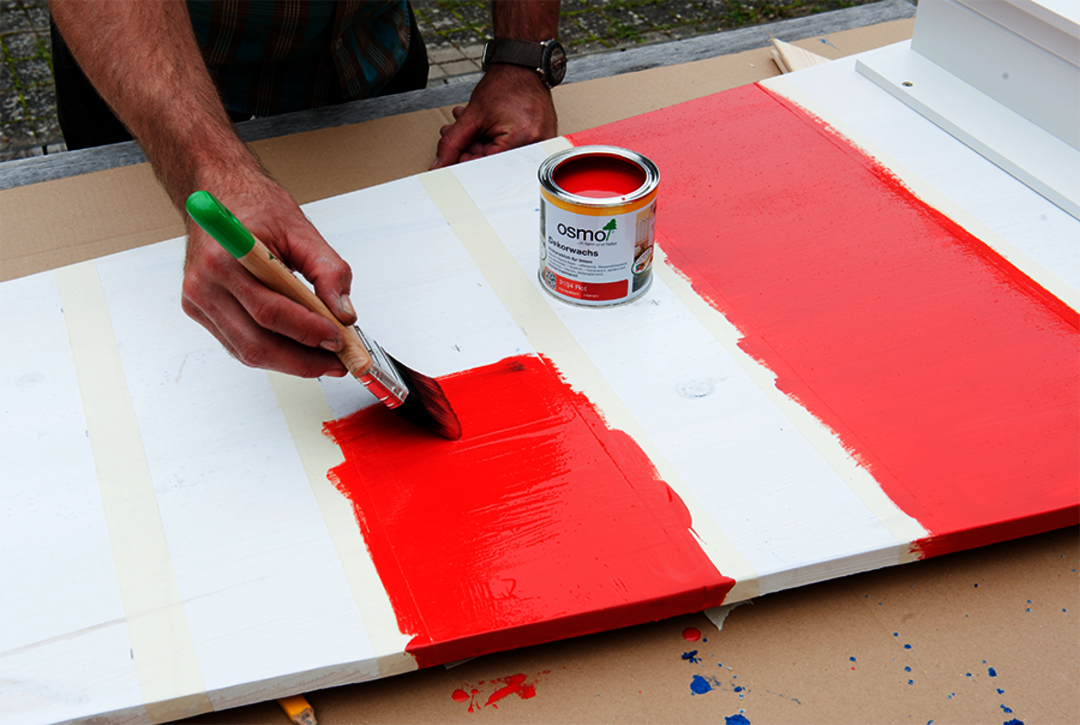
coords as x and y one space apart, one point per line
597 223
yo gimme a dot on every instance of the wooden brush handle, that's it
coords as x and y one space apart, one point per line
261 262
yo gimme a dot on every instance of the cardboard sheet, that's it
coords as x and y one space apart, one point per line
277 517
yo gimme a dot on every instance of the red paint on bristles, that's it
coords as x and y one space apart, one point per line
426 404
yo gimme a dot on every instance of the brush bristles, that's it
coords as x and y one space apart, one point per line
426 404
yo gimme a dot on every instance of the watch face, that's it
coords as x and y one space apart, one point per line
554 63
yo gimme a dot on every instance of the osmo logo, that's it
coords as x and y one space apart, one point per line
587 235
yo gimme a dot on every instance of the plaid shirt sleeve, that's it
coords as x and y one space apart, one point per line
275 56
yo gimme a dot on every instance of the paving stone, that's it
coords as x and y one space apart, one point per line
12 107
13 20
445 54
40 100
595 27
460 67
653 17
466 36
39 18
46 129
586 47
569 7
655 36
17 136
475 14
440 22
32 72
23 45
476 52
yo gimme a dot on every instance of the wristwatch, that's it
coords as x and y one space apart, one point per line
548 58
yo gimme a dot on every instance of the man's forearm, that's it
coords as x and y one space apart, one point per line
143 59
525 19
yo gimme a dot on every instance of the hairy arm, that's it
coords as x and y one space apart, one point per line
143 59
510 106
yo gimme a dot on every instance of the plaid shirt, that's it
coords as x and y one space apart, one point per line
276 56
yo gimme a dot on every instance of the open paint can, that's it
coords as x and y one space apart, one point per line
597 213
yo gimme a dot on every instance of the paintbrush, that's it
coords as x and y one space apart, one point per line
415 397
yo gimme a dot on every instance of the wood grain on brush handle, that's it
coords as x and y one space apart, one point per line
261 262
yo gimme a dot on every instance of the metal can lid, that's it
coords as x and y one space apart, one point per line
599 176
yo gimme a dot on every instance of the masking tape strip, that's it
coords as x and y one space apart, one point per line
305 409
162 646
547 333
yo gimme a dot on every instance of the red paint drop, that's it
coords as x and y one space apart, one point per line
691 634
950 375
540 523
460 696
598 177
515 684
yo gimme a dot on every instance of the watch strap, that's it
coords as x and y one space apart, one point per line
515 52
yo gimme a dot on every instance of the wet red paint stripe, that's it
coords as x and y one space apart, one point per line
540 523
949 374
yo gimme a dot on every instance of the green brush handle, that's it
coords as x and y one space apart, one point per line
230 233
219 223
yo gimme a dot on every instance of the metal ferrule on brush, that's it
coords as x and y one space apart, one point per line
382 379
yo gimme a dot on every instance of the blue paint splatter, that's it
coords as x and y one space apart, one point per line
992 672
1008 710
699 685
1000 691
907 669
736 719
851 658
738 689
968 674
911 682
690 656
907 646
895 634
1014 721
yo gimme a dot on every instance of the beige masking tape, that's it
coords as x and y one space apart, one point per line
161 642
547 333
305 409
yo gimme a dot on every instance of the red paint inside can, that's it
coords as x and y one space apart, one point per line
599 177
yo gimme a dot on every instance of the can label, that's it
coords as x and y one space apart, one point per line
596 258
597 213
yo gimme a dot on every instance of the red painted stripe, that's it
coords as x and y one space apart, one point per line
950 375
540 523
